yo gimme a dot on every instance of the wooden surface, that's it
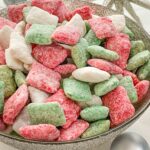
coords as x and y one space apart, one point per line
142 126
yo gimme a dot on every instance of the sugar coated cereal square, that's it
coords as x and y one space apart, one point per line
119 105
74 131
50 56
121 44
103 27
15 104
43 78
41 132
15 12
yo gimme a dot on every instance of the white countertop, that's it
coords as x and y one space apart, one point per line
142 126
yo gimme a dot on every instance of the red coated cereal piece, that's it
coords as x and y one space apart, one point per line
2 124
85 12
43 78
2 57
67 34
105 65
41 132
62 12
4 22
121 44
103 27
50 56
71 109
119 105
15 104
15 12
142 89
132 75
74 131
65 69
50 6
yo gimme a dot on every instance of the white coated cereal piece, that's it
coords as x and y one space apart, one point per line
118 21
66 46
96 100
20 28
12 62
39 16
90 74
22 120
5 33
77 21
36 95
20 49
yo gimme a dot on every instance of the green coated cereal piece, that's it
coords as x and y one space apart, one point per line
103 88
77 90
10 86
129 32
6 75
148 78
92 39
94 113
137 46
144 71
138 60
101 52
127 83
88 27
46 113
96 101
2 86
26 11
40 34
20 78
96 128
5 71
80 54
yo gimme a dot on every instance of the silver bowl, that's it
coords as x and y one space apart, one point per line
95 142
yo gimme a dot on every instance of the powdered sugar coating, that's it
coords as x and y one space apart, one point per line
50 6
132 75
50 56
15 104
121 44
119 105
103 27
66 69
15 13
41 132
142 89
85 12
62 12
7 22
43 78
74 131
71 109
105 65
67 34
